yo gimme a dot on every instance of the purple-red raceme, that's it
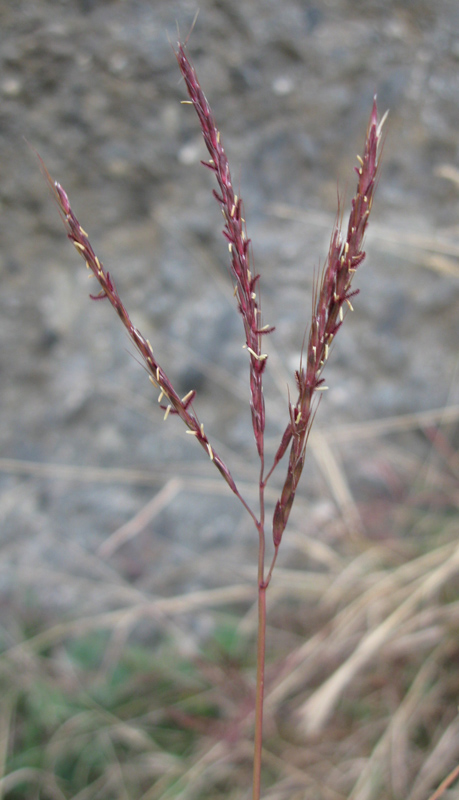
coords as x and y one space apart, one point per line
331 296
238 243
169 400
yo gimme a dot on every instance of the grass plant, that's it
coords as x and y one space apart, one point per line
96 706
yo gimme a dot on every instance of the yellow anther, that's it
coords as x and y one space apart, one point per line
80 246
187 396
161 396
349 304
192 433
149 345
157 374
82 230
360 160
168 410
341 315
260 357
186 102
210 451
202 429
230 247
321 389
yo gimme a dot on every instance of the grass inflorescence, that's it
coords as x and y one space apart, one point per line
137 724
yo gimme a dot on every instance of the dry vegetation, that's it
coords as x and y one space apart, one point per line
363 651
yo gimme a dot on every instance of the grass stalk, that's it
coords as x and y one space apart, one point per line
332 298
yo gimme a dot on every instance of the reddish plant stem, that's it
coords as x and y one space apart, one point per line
260 690
261 641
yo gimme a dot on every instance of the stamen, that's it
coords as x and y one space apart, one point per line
168 410
260 357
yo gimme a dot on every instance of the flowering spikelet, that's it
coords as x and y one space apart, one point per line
169 400
238 243
332 295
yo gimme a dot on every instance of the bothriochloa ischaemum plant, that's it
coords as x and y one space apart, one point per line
332 298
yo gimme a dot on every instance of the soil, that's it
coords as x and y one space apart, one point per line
94 87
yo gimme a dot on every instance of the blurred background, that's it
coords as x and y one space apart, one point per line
127 569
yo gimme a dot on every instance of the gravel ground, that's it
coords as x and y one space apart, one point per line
94 87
